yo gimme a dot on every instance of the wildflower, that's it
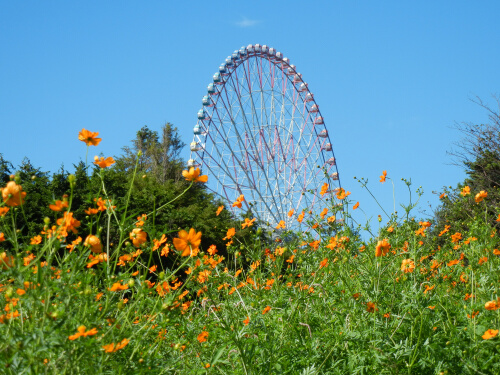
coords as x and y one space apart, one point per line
97 259
13 194
219 210
442 196
323 213
300 217
247 223
6 261
158 243
246 321
480 196
266 310
407 266
4 210
118 286
456 237
382 248
153 268
371 307
91 211
59 205
68 223
290 213
34 241
482 260
104 163
238 201
188 243
212 249
383 177
490 333
194 175
323 263
387 315
81 332
230 233
342 194
290 260
280 225
111 348
138 237
355 206
492 305
324 189
453 262
428 288
90 138
94 242
202 337
465 191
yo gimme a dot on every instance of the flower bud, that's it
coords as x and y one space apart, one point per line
72 180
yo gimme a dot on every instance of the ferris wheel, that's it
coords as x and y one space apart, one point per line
260 134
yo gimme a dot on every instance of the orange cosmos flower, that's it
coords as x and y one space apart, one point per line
219 210
323 213
59 205
90 138
13 194
94 242
240 199
480 196
246 321
266 309
6 261
300 217
355 206
492 305
490 333
281 225
324 189
81 332
323 263
407 266
111 348
371 307
383 177
194 175
247 223
35 240
2 238
428 288
202 337
188 243
138 237
382 248
442 196
465 191
118 286
290 213
4 210
68 222
104 163
230 233
342 194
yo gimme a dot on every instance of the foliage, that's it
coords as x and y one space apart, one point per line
305 303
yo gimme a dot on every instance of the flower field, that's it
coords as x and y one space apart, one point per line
411 299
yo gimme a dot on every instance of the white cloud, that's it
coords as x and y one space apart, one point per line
245 22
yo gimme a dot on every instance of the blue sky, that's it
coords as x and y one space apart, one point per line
391 77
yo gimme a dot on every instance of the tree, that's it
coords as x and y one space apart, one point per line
479 153
159 158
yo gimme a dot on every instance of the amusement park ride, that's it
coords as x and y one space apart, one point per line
260 133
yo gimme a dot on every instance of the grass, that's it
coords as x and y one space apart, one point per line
312 301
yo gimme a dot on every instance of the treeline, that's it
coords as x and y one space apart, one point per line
151 165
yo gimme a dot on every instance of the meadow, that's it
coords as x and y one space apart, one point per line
411 299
